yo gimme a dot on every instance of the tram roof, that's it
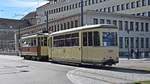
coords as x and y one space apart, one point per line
84 28
34 35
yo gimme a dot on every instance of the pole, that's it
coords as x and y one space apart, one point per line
47 22
82 23
128 31
19 45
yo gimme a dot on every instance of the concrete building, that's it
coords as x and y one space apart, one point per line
8 28
64 8
31 18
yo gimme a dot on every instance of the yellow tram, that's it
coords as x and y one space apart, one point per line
93 44
34 47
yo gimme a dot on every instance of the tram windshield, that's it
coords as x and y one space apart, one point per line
109 39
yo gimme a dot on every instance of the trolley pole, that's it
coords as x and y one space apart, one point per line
82 23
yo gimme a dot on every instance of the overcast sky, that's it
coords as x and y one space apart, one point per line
16 9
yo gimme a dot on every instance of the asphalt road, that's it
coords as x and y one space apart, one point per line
18 71
15 70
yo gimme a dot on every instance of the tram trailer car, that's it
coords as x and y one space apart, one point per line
93 44
34 47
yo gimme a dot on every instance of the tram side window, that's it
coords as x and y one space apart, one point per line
96 39
34 41
91 38
39 41
75 39
45 41
84 38
109 39
42 41
66 40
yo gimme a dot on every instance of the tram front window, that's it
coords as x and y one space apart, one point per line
109 39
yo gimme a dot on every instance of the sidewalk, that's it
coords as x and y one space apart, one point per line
138 64
11 57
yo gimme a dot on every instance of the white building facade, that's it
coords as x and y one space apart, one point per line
65 8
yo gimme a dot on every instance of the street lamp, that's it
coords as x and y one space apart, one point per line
128 31
82 23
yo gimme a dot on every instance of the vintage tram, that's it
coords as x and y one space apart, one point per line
34 47
92 44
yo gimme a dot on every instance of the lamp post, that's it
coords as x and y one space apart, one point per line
128 31
82 23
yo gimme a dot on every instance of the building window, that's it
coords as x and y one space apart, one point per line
127 6
148 2
138 3
133 5
76 23
122 7
55 28
120 25
104 10
68 24
96 1
93 1
108 21
118 7
149 14
109 9
142 42
102 21
95 21
121 42
76 5
132 42
89 2
143 2
142 26
115 22
86 3
126 42
137 42
52 29
147 43
58 27
137 26
146 27
131 26
126 26
72 24
61 26
113 8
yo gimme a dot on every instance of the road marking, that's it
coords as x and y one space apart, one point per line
107 76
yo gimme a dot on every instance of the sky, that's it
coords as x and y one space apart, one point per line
16 9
